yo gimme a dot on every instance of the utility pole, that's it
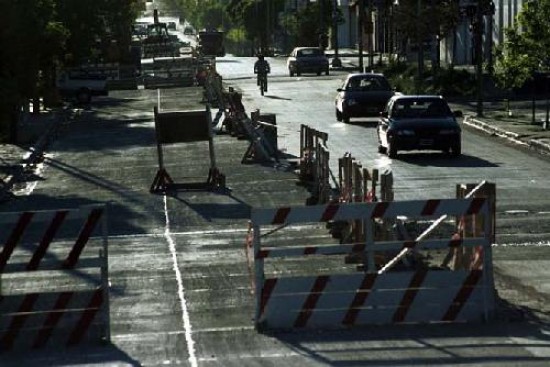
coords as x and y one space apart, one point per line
419 46
370 32
478 34
360 33
336 62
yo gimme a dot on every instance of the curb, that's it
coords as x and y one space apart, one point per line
534 144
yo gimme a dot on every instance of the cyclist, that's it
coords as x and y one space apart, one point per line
261 68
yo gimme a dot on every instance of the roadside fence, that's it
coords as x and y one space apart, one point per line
54 279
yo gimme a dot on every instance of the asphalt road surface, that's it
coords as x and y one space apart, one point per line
180 286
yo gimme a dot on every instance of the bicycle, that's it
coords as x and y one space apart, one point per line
262 82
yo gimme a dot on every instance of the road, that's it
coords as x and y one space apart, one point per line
180 287
522 191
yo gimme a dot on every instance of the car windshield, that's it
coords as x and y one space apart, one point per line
307 52
368 83
414 108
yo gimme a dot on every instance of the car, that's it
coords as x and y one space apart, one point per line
307 60
362 95
419 122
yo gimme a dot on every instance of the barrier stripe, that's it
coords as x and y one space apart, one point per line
380 209
87 318
262 254
47 239
14 238
430 207
462 295
52 319
311 301
410 294
475 205
456 240
281 215
310 250
83 237
330 212
18 320
267 289
359 300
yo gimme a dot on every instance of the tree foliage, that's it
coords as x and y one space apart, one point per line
526 47
418 20
39 35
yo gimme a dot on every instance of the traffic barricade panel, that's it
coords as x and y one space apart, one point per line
309 285
44 300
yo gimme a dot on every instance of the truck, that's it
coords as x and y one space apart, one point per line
81 85
211 43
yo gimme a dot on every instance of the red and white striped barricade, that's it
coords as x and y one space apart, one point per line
324 292
54 269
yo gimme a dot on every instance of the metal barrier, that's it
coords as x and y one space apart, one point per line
181 127
291 291
168 72
262 136
67 309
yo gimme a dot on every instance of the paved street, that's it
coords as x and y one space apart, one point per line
180 285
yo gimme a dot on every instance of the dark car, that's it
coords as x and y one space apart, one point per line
423 122
307 60
362 95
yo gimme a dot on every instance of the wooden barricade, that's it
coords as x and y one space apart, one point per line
182 127
261 131
309 139
471 226
44 300
323 293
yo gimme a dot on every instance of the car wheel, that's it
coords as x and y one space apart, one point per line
84 96
456 150
326 72
345 118
298 72
381 149
391 150
318 73
290 72
338 115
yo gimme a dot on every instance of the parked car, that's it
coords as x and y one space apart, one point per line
307 60
81 85
362 95
421 122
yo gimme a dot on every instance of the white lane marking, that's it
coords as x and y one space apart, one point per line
181 294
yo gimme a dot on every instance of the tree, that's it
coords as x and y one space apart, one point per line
30 43
418 21
526 47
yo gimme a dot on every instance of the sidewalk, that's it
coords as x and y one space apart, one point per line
34 132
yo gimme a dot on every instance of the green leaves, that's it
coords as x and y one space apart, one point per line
527 46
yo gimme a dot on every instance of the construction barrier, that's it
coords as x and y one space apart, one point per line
261 131
166 72
234 113
309 139
44 300
292 292
182 127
